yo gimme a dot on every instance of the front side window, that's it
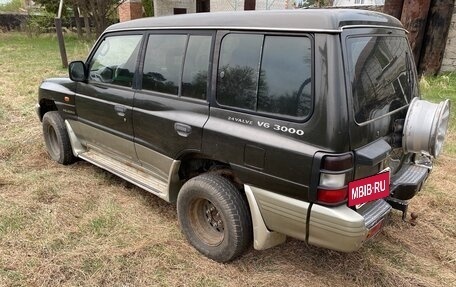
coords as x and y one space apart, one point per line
115 60
266 74
163 63
380 69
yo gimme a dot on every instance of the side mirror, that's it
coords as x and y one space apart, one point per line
77 71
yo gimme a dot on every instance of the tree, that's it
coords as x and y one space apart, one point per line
99 11
148 6
314 3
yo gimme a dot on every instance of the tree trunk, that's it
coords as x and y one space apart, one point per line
87 26
77 20
414 17
434 42
393 8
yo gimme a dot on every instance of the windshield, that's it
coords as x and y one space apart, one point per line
381 73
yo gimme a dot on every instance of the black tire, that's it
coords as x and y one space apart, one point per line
56 138
214 217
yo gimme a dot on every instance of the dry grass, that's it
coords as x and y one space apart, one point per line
79 225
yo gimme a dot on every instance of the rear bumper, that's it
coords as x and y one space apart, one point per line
338 228
342 228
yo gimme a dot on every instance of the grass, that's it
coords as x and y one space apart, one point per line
79 225
13 6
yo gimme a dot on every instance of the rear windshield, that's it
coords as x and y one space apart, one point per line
381 73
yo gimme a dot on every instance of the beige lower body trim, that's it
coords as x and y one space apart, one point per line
262 237
158 176
281 213
338 228
76 144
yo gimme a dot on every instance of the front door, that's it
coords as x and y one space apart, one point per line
104 103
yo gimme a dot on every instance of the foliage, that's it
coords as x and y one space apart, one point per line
100 11
13 6
313 3
51 6
148 6
42 23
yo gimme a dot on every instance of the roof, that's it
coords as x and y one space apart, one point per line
330 20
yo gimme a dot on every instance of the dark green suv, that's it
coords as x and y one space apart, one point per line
261 125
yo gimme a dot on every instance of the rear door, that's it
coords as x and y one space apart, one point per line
381 81
104 103
171 107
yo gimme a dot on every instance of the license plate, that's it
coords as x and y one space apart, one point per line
370 188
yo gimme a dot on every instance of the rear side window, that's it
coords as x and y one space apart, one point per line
163 63
266 74
196 66
166 71
380 69
285 77
238 70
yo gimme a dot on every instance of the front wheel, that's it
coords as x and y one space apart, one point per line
56 138
214 217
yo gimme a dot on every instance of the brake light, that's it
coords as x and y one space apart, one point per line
335 173
332 196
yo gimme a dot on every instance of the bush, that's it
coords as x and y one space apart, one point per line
37 24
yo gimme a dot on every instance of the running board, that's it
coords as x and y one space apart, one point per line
134 175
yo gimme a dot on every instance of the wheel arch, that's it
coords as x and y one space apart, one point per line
46 105
195 163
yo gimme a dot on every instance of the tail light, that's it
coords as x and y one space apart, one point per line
335 173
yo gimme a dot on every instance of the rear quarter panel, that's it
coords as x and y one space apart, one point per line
270 158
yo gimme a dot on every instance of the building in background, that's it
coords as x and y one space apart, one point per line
172 7
129 10
347 3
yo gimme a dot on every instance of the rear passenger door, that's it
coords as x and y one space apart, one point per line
171 108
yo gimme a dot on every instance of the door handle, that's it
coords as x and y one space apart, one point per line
182 129
120 110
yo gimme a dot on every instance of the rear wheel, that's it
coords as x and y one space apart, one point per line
56 138
214 217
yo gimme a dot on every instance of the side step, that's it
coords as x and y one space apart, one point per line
134 175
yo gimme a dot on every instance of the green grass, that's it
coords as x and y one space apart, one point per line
13 6
11 222
437 89
78 225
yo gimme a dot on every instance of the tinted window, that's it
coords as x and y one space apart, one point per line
115 59
163 63
194 78
283 86
382 79
238 70
285 79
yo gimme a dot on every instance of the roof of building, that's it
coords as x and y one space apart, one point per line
331 20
